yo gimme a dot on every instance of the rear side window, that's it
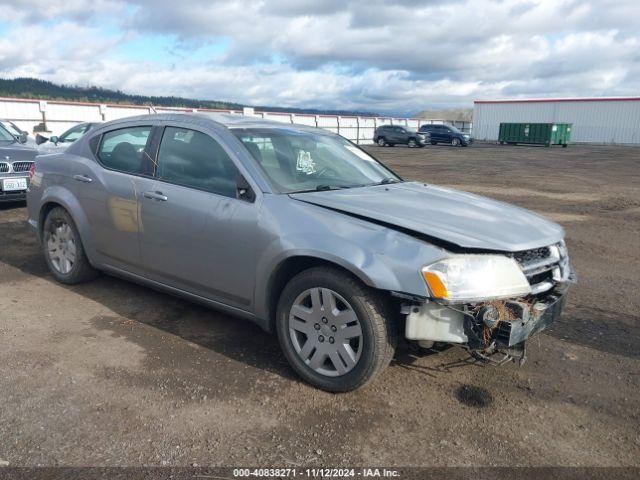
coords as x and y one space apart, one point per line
194 159
123 150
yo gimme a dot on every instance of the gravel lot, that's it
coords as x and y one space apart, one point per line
111 373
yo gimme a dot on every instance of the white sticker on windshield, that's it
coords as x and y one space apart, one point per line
305 163
359 153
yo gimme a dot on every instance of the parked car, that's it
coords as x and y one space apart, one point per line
390 135
446 134
17 132
55 144
302 232
16 158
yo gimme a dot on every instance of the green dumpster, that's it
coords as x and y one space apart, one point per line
535 133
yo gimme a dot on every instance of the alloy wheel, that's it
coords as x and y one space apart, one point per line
455 142
325 332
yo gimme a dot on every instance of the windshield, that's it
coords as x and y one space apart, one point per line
74 133
13 129
5 135
296 161
454 129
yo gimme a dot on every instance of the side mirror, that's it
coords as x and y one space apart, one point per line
40 139
54 139
22 138
244 190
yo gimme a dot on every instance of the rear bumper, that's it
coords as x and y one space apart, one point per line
6 197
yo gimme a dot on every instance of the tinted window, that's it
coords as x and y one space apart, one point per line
123 149
196 160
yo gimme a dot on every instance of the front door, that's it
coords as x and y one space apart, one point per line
195 234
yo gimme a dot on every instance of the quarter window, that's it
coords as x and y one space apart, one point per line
196 160
123 150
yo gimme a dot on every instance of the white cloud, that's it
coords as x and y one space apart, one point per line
382 55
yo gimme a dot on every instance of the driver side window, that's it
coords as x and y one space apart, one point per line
194 159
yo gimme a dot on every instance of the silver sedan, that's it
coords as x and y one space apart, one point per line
302 232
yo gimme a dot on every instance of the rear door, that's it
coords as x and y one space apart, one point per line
436 133
107 190
196 235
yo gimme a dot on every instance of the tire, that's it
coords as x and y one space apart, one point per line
411 143
433 142
370 353
455 142
381 142
60 242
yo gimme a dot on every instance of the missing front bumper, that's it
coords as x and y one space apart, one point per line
519 320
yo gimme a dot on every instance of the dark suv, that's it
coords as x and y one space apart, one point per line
396 134
446 134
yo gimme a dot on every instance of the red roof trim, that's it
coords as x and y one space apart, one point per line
547 100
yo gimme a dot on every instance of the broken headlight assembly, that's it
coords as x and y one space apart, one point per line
470 278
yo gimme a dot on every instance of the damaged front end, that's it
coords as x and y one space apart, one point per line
455 313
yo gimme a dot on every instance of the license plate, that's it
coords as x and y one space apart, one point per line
13 184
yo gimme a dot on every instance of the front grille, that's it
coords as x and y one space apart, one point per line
4 167
538 266
22 166
529 257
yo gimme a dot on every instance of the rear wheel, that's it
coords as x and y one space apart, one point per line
382 142
63 250
433 142
455 142
336 333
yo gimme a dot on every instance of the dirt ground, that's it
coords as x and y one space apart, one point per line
111 373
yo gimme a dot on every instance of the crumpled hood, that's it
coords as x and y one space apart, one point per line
454 216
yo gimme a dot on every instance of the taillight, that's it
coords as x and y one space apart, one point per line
32 171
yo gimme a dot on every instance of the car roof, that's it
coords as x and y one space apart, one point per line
226 120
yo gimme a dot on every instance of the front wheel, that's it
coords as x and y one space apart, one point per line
455 142
63 250
336 333
412 143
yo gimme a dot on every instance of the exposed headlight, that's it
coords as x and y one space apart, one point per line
472 278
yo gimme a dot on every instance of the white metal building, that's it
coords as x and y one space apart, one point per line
595 120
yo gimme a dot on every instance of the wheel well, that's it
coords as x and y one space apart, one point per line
288 269
44 211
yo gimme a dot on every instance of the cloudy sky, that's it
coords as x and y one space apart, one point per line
379 55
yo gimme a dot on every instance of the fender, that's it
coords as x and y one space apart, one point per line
64 197
373 269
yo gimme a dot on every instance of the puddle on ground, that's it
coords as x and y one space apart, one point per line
473 396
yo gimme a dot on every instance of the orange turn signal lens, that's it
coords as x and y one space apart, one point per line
438 290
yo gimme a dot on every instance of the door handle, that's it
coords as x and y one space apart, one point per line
83 178
155 196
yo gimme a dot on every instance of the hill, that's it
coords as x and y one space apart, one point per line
44 90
